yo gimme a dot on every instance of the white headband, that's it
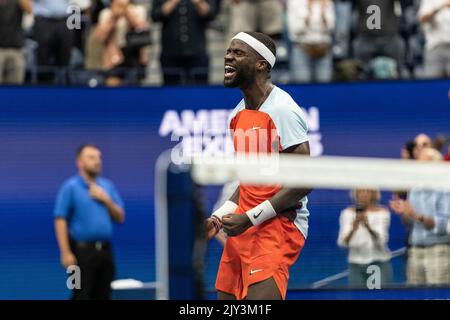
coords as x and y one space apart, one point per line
258 46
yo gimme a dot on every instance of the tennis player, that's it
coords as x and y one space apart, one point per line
265 236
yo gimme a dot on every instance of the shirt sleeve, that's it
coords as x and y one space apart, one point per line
291 127
381 227
296 14
345 226
63 205
442 218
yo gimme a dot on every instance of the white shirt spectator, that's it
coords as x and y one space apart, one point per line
363 248
315 30
437 30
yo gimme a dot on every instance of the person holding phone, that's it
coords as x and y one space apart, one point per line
364 230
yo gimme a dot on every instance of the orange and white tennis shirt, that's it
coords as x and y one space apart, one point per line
277 125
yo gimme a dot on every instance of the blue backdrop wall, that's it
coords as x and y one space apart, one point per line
41 127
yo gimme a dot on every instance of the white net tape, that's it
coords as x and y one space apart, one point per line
323 172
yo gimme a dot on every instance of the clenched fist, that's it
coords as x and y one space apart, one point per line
212 226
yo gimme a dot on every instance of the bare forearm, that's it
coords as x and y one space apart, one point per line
26 5
169 6
427 17
136 21
104 29
430 16
62 234
144 55
428 222
287 198
116 212
202 7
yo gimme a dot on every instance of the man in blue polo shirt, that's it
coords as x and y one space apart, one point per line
427 211
85 209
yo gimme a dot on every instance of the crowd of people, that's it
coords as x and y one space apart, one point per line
111 42
425 213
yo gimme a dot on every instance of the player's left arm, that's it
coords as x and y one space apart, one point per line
283 202
289 197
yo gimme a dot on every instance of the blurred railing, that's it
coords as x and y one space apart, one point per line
344 274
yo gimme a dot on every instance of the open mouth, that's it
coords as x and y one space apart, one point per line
229 71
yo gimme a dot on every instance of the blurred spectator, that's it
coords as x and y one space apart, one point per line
12 57
428 212
96 7
440 142
53 37
123 32
411 151
375 44
414 38
341 41
256 15
364 230
80 34
434 16
310 25
184 57
421 141
85 209
407 152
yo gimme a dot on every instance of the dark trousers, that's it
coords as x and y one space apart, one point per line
358 274
97 271
185 70
366 48
55 42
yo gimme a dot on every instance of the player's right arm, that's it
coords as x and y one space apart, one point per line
214 223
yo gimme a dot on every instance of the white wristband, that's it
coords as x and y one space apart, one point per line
262 212
226 208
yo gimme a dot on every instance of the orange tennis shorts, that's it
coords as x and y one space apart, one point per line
261 252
